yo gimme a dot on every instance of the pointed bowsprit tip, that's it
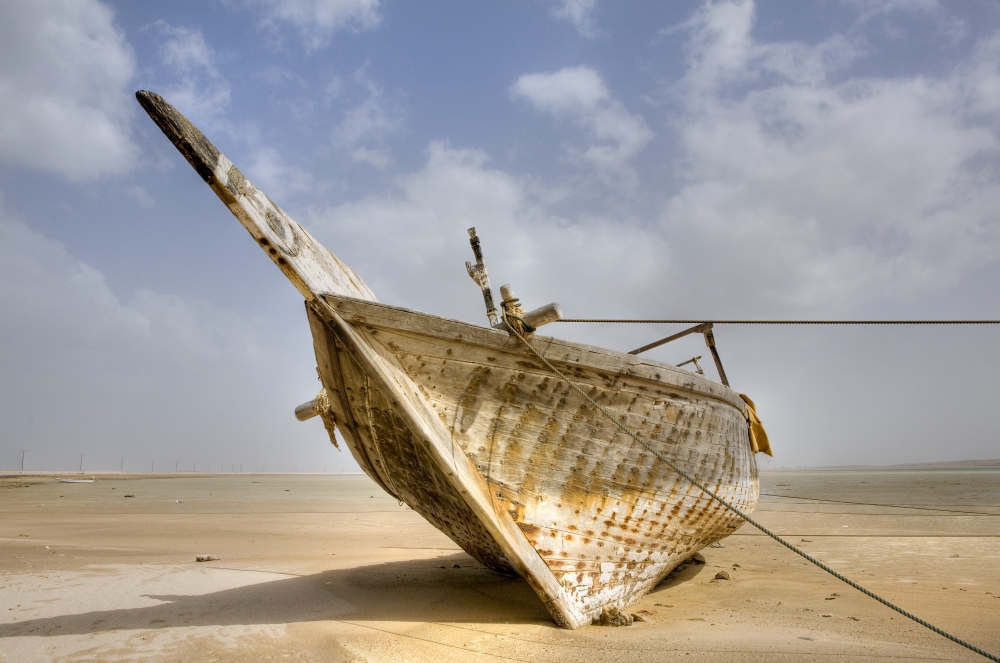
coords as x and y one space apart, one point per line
189 141
150 101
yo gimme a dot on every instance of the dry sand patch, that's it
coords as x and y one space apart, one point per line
325 568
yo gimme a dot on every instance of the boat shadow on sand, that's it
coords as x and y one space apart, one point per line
404 591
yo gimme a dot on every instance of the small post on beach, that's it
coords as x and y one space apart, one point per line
81 462
22 459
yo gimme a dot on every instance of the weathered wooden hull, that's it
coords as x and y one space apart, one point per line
476 435
504 441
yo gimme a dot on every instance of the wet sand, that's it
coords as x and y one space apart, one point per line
328 568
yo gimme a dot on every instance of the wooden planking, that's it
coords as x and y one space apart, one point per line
426 467
607 518
548 454
328 357
567 355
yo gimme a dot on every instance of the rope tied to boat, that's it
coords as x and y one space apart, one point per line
695 321
512 312
325 411
746 517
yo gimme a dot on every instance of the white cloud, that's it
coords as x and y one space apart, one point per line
367 125
141 196
201 92
871 8
826 192
269 171
376 158
318 20
156 374
412 243
578 12
580 95
65 105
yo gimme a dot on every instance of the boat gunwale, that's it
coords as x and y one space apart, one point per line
502 341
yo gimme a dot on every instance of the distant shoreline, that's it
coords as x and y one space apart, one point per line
14 474
941 465
988 464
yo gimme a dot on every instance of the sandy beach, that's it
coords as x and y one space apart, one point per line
329 568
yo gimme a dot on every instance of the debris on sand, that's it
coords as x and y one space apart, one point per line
722 575
642 616
614 617
128 495
206 558
953 556
180 502
456 566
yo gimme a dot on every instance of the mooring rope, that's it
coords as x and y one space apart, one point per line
625 429
696 321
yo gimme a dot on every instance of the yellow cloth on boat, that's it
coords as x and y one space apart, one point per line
758 436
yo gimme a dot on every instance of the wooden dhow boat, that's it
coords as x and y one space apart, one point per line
466 426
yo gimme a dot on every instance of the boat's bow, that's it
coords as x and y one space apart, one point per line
307 264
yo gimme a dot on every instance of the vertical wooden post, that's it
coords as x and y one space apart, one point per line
482 279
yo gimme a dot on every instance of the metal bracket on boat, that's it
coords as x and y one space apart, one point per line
482 279
693 360
704 328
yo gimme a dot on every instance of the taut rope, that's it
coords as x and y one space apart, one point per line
694 321
625 429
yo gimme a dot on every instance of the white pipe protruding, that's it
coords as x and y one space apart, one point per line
306 411
543 315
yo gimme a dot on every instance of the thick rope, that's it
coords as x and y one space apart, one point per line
694 321
625 429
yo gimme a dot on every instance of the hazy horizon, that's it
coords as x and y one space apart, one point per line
720 159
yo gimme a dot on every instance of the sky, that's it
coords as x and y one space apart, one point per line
806 159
